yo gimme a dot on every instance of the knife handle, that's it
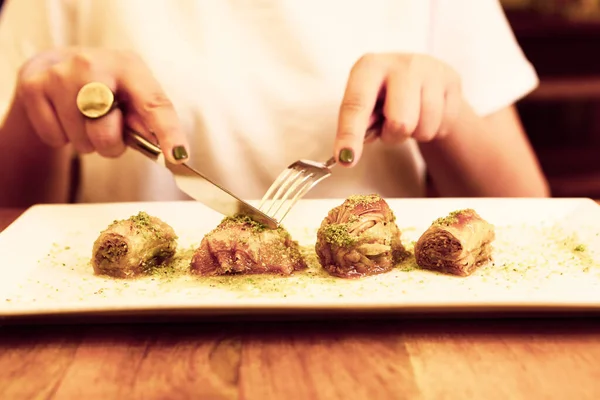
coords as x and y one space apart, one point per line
143 145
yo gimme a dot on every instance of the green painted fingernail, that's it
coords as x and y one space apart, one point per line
179 153
346 156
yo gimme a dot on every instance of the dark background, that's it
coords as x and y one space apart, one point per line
562 117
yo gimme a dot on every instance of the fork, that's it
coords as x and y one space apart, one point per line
299 178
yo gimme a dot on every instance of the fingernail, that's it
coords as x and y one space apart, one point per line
346 156
179 153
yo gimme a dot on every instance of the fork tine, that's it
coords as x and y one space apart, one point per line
295 186
283 176
289 180
300 193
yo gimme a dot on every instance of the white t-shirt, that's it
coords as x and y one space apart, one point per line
257 83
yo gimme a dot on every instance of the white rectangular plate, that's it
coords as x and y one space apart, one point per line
546 256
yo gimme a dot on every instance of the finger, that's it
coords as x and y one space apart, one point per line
62 89
136 124
145 97
452 106
106 134
376 121
374 129
433 99
402 106
360 97
40 113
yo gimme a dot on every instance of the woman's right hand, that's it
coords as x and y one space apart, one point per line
48 85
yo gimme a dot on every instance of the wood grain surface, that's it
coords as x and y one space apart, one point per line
353 359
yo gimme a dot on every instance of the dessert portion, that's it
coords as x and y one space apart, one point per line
456 244
359 238
133 247
240 245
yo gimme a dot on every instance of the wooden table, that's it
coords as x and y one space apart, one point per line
374 359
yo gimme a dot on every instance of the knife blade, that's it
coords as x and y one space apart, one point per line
198 186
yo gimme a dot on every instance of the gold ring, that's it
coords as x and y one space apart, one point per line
95 100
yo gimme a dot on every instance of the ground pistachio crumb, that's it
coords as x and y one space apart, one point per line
142 219
361 199
337 234
246 220
145 225
451 218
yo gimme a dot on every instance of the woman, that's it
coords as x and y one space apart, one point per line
240 89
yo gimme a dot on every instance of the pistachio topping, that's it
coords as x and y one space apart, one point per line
360 199
245 220
453 217
144 223
141 220
337 234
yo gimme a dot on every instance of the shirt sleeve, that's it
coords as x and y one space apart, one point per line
28 27
475 38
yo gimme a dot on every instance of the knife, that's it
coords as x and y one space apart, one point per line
198 186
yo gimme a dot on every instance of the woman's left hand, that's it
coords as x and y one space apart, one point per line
421 99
